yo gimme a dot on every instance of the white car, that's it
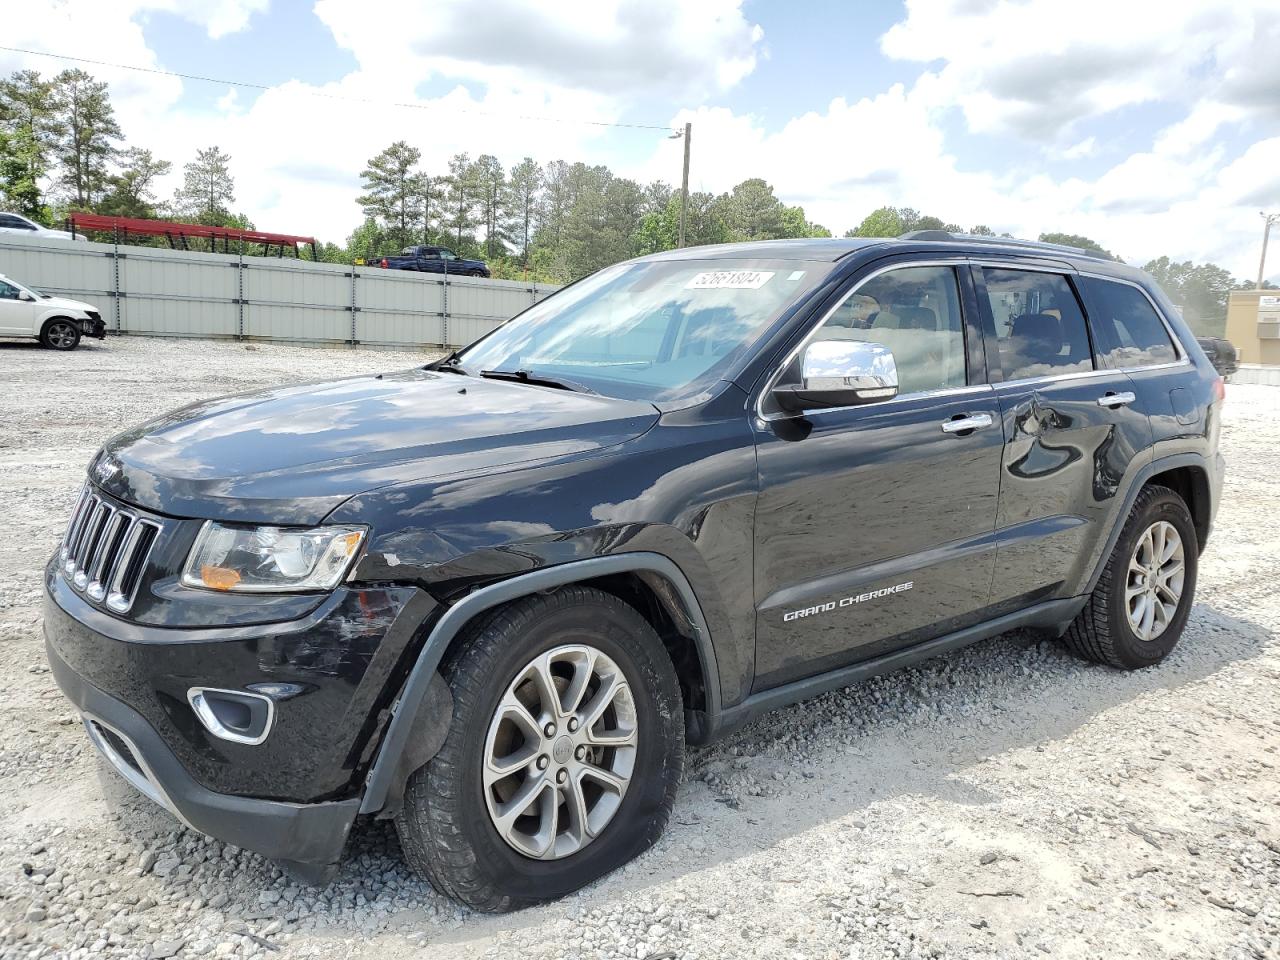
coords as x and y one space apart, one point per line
16 223
56 322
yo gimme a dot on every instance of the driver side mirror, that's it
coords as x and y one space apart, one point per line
23 295
840 373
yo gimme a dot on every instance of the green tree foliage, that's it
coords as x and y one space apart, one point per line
85 136
130 188
882 222
1199 289
394 192
492 199
459 219
1075 240
208 189
31 128
524 184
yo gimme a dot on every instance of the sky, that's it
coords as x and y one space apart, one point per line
1152 127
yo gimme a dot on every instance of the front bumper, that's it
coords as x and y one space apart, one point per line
309 837
93 327
291 797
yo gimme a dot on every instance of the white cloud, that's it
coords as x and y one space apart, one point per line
1036 68
1085 148
613 47
218 18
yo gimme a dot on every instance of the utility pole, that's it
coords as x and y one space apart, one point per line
1267 220
684 183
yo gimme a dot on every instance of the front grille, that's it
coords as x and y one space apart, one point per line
105 550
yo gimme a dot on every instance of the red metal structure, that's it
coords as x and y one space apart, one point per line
178 233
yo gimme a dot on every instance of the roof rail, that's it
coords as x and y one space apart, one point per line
945 235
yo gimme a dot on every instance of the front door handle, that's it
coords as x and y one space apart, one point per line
964 424
1117 399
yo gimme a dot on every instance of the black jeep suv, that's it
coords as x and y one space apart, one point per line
493 598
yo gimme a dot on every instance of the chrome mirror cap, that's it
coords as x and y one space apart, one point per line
841 373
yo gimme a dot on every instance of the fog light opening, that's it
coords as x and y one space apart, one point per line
233 715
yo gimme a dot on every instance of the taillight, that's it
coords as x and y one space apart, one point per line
384 262
1219 390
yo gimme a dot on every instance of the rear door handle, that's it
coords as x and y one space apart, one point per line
974 422
1117 399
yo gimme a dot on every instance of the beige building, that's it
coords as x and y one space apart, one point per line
1253 325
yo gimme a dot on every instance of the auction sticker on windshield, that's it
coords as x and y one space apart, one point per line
729 280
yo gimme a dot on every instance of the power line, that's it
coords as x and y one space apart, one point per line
332 96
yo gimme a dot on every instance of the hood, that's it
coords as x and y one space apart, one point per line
65 303
290 455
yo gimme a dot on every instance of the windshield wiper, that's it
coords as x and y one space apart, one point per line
537 379
448 364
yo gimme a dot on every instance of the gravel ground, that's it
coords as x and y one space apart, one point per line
1003 801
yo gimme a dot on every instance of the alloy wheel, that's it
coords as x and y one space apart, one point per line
62 335
1153 588
560 752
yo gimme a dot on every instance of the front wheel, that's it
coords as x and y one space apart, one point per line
562 758
60 335
1137 612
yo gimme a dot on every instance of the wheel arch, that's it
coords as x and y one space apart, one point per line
650 582
1191 483
53 317
1187 469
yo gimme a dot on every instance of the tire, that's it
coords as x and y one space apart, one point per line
1104 631
448 830
60 334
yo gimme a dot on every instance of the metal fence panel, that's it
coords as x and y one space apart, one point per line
296 300
160 291
399 307
194 296
65 268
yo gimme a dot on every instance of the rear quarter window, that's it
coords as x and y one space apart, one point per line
1126 328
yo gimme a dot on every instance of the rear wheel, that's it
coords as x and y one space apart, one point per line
60 335
562 758
1137 612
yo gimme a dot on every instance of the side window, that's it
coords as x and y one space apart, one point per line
8 291
915 312
1127 328
1040 329
14 222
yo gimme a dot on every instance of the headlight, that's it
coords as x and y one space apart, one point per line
271 559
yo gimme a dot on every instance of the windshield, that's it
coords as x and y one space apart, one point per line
657 330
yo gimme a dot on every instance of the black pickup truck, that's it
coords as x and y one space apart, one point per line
493 598
1221 353
432 260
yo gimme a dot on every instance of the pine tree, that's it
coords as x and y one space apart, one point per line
129 190
525 181
461 201
394 192
491 191
86 134
208 189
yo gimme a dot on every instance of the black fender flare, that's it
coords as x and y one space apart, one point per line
1139 480
386 775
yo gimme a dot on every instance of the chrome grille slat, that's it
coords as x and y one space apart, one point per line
105 550
82 526
93 536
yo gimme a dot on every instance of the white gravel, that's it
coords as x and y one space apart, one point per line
1004 801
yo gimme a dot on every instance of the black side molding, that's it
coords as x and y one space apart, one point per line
1052 615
